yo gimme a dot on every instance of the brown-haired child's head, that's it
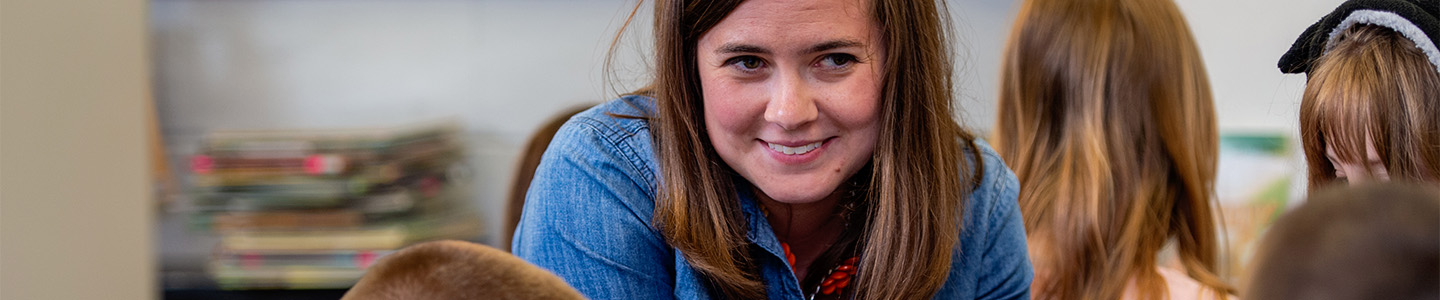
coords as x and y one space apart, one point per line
1375 241
1372 89
457 270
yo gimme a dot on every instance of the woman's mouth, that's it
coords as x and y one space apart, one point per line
787 150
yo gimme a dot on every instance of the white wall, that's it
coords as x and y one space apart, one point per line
502 67
75 204
1241 41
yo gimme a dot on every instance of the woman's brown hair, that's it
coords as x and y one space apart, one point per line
1372 82
1106 116
912 225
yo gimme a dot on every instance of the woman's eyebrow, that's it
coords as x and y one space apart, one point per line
732 48
832 45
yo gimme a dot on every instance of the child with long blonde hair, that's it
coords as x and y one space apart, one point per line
1106 116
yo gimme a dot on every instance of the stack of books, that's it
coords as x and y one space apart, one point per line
314 209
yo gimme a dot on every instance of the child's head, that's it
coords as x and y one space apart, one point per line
1371 110
1379 241
457 270
1105 115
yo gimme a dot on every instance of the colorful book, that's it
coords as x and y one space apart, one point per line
381 238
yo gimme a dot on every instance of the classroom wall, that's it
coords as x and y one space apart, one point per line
499 67
75 205
1240 40
502 67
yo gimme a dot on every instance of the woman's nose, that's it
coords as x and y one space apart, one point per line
791 105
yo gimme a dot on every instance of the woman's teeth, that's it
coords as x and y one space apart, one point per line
794 150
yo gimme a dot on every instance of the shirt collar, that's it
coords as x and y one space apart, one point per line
760 233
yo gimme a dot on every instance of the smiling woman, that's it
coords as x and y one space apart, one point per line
793 95
785 149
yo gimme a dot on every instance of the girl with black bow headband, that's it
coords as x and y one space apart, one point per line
1371 108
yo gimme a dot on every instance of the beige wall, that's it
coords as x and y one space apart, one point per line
75 212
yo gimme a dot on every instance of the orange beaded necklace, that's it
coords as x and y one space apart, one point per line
836 280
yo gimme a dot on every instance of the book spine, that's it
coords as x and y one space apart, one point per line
373 239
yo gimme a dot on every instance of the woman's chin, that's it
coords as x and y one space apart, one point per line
791 196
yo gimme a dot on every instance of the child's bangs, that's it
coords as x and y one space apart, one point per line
1343 108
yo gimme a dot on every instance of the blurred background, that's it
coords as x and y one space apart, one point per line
200 148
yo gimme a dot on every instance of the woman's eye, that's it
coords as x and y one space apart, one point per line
746 63
837 61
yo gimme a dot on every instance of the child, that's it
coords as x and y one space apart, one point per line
1373 242
1370 108
457 270
1106 116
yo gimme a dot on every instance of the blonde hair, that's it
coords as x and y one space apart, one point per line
1373 82
914 189
1105 114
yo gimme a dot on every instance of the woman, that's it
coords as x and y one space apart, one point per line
787 150
1371 108
1105 114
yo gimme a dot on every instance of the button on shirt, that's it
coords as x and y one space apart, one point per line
587 218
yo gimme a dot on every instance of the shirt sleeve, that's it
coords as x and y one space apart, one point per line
1006 256
586 216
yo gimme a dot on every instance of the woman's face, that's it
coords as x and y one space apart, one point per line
1354 172
792 93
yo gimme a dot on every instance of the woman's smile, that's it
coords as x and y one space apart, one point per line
794 150
795 153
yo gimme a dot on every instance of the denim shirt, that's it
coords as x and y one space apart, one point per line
587 218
